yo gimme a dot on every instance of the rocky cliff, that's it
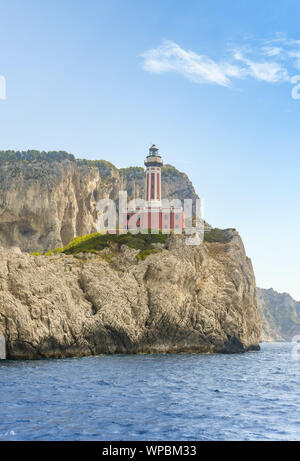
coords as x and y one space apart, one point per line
180 298
280 315
46 199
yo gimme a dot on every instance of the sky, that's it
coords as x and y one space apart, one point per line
212 83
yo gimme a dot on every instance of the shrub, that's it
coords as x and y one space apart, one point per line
33 155
170 170
103 165
54 252
97 242
217 235
147 252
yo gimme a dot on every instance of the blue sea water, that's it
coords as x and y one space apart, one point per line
253 396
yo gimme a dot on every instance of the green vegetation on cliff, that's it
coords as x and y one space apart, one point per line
132 172
57 156
93 243
217 236
35 155
170 170
97 242
101 164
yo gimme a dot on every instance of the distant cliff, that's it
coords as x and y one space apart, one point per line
177 299
48 198
280 315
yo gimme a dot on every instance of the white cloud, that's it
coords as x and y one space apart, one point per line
198 68
288 51
271 50
269 61
295 56
268 71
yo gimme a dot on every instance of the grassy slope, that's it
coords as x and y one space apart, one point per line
142 242
97 242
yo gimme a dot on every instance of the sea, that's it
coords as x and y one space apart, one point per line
251 396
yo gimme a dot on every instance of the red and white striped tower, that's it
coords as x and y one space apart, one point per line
153 164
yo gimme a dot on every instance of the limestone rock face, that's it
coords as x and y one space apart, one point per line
184 298
280 315
44 204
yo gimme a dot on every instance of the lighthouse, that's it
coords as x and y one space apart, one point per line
155 214
153 164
